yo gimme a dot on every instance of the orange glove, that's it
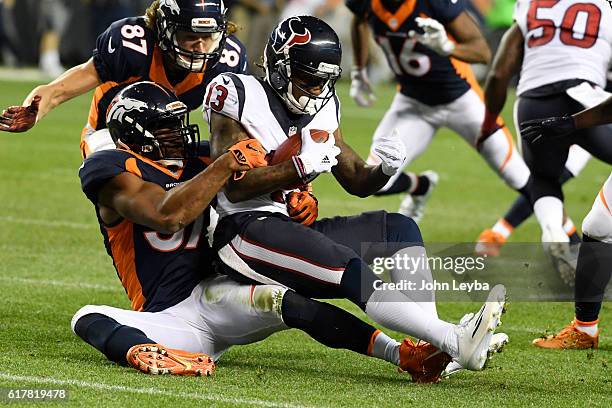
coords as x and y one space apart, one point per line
249 153
20 118
302 206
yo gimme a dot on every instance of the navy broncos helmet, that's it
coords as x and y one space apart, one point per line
149 120
304 53
192 16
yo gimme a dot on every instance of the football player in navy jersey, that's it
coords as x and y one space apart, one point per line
151 196
436 87
179 44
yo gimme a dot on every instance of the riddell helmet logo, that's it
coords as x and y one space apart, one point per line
291 38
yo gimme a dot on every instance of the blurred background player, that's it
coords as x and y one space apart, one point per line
594 267
550 85
437 87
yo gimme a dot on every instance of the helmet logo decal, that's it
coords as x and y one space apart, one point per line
125 105
172 5
291 38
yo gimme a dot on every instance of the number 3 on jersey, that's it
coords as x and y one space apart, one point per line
408 62
219 93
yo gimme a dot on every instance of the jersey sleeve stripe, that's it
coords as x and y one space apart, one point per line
241 93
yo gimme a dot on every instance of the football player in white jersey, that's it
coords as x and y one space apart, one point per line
436 87
562 50
256 240
595 258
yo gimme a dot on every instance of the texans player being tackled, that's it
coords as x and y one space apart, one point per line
256 240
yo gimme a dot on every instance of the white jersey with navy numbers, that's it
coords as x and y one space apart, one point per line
564 40
255 105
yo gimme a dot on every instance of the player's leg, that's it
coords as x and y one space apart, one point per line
272 249
593 274
416 133
156 343
465 116
491 240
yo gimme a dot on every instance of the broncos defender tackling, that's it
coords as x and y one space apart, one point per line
436 88
151 196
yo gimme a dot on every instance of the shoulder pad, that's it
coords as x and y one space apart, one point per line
100 167
225 95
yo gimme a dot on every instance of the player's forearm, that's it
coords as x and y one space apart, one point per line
181 205
597 115
475 52
262 180
72 83
361 179
360 35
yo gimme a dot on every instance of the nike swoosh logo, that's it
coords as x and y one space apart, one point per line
225 80
110 46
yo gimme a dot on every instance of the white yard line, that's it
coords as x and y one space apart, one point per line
145 391
63 284
47 223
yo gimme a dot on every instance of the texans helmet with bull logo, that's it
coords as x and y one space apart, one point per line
304 53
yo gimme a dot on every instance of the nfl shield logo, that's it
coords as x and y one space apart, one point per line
293 129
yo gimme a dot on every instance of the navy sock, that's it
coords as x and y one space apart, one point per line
592 276
403 184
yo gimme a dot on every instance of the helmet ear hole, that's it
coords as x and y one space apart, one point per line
277 82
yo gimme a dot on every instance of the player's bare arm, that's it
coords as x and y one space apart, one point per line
43 99
471 45
597 115
361 89
506 63
146 203
226 132
354 174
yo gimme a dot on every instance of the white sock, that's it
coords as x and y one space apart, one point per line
385 348
412 266
549 212
588 328
396 312
503 227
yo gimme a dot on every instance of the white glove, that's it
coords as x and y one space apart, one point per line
392 153
434 37
315 157
361 90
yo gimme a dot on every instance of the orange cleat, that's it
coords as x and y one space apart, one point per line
157 360
570 338
489 243
423 361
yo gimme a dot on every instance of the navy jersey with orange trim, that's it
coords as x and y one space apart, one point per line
128 52
156 270
421 73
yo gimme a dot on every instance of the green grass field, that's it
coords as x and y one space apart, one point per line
52 262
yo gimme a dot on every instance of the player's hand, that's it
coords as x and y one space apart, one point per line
247 154
20 118
392 153
361 90
434 36
538 130
315 157
302 206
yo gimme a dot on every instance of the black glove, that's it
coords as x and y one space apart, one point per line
535 131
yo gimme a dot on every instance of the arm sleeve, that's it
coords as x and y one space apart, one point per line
98 169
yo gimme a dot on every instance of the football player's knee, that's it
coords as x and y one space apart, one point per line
268 298
598 223
515 172
85 310
358 282
402 229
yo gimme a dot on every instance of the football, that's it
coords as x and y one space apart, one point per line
293 146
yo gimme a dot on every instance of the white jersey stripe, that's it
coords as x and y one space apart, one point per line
284 261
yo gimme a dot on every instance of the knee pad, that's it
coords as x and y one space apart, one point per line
598 222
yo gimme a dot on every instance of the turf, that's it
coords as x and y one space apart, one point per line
52 262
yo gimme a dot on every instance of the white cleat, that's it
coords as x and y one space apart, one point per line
474 336
498 342
414 206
